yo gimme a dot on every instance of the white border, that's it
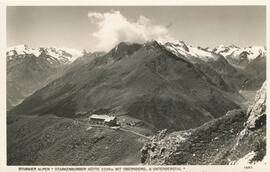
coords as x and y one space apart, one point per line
4 3
135 2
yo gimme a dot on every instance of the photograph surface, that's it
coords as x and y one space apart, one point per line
136 85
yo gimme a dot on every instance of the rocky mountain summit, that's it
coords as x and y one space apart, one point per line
236 138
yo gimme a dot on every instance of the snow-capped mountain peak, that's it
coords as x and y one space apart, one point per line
235 52
62 55
180 48
180 44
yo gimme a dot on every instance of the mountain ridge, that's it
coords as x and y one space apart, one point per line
62 55
117 84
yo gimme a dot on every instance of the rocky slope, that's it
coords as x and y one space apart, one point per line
30 69
256 74
146 82
212 64
237 137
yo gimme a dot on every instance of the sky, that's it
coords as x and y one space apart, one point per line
99 28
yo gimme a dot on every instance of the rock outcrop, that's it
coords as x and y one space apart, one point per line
256 113
238 137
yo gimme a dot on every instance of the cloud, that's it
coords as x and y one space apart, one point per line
113 27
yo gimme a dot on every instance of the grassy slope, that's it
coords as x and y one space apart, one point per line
50 140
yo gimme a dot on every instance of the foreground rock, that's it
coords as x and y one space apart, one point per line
256 113
232 139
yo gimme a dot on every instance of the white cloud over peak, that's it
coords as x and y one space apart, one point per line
113 27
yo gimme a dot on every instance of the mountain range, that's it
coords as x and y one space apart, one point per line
239 67
169 85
